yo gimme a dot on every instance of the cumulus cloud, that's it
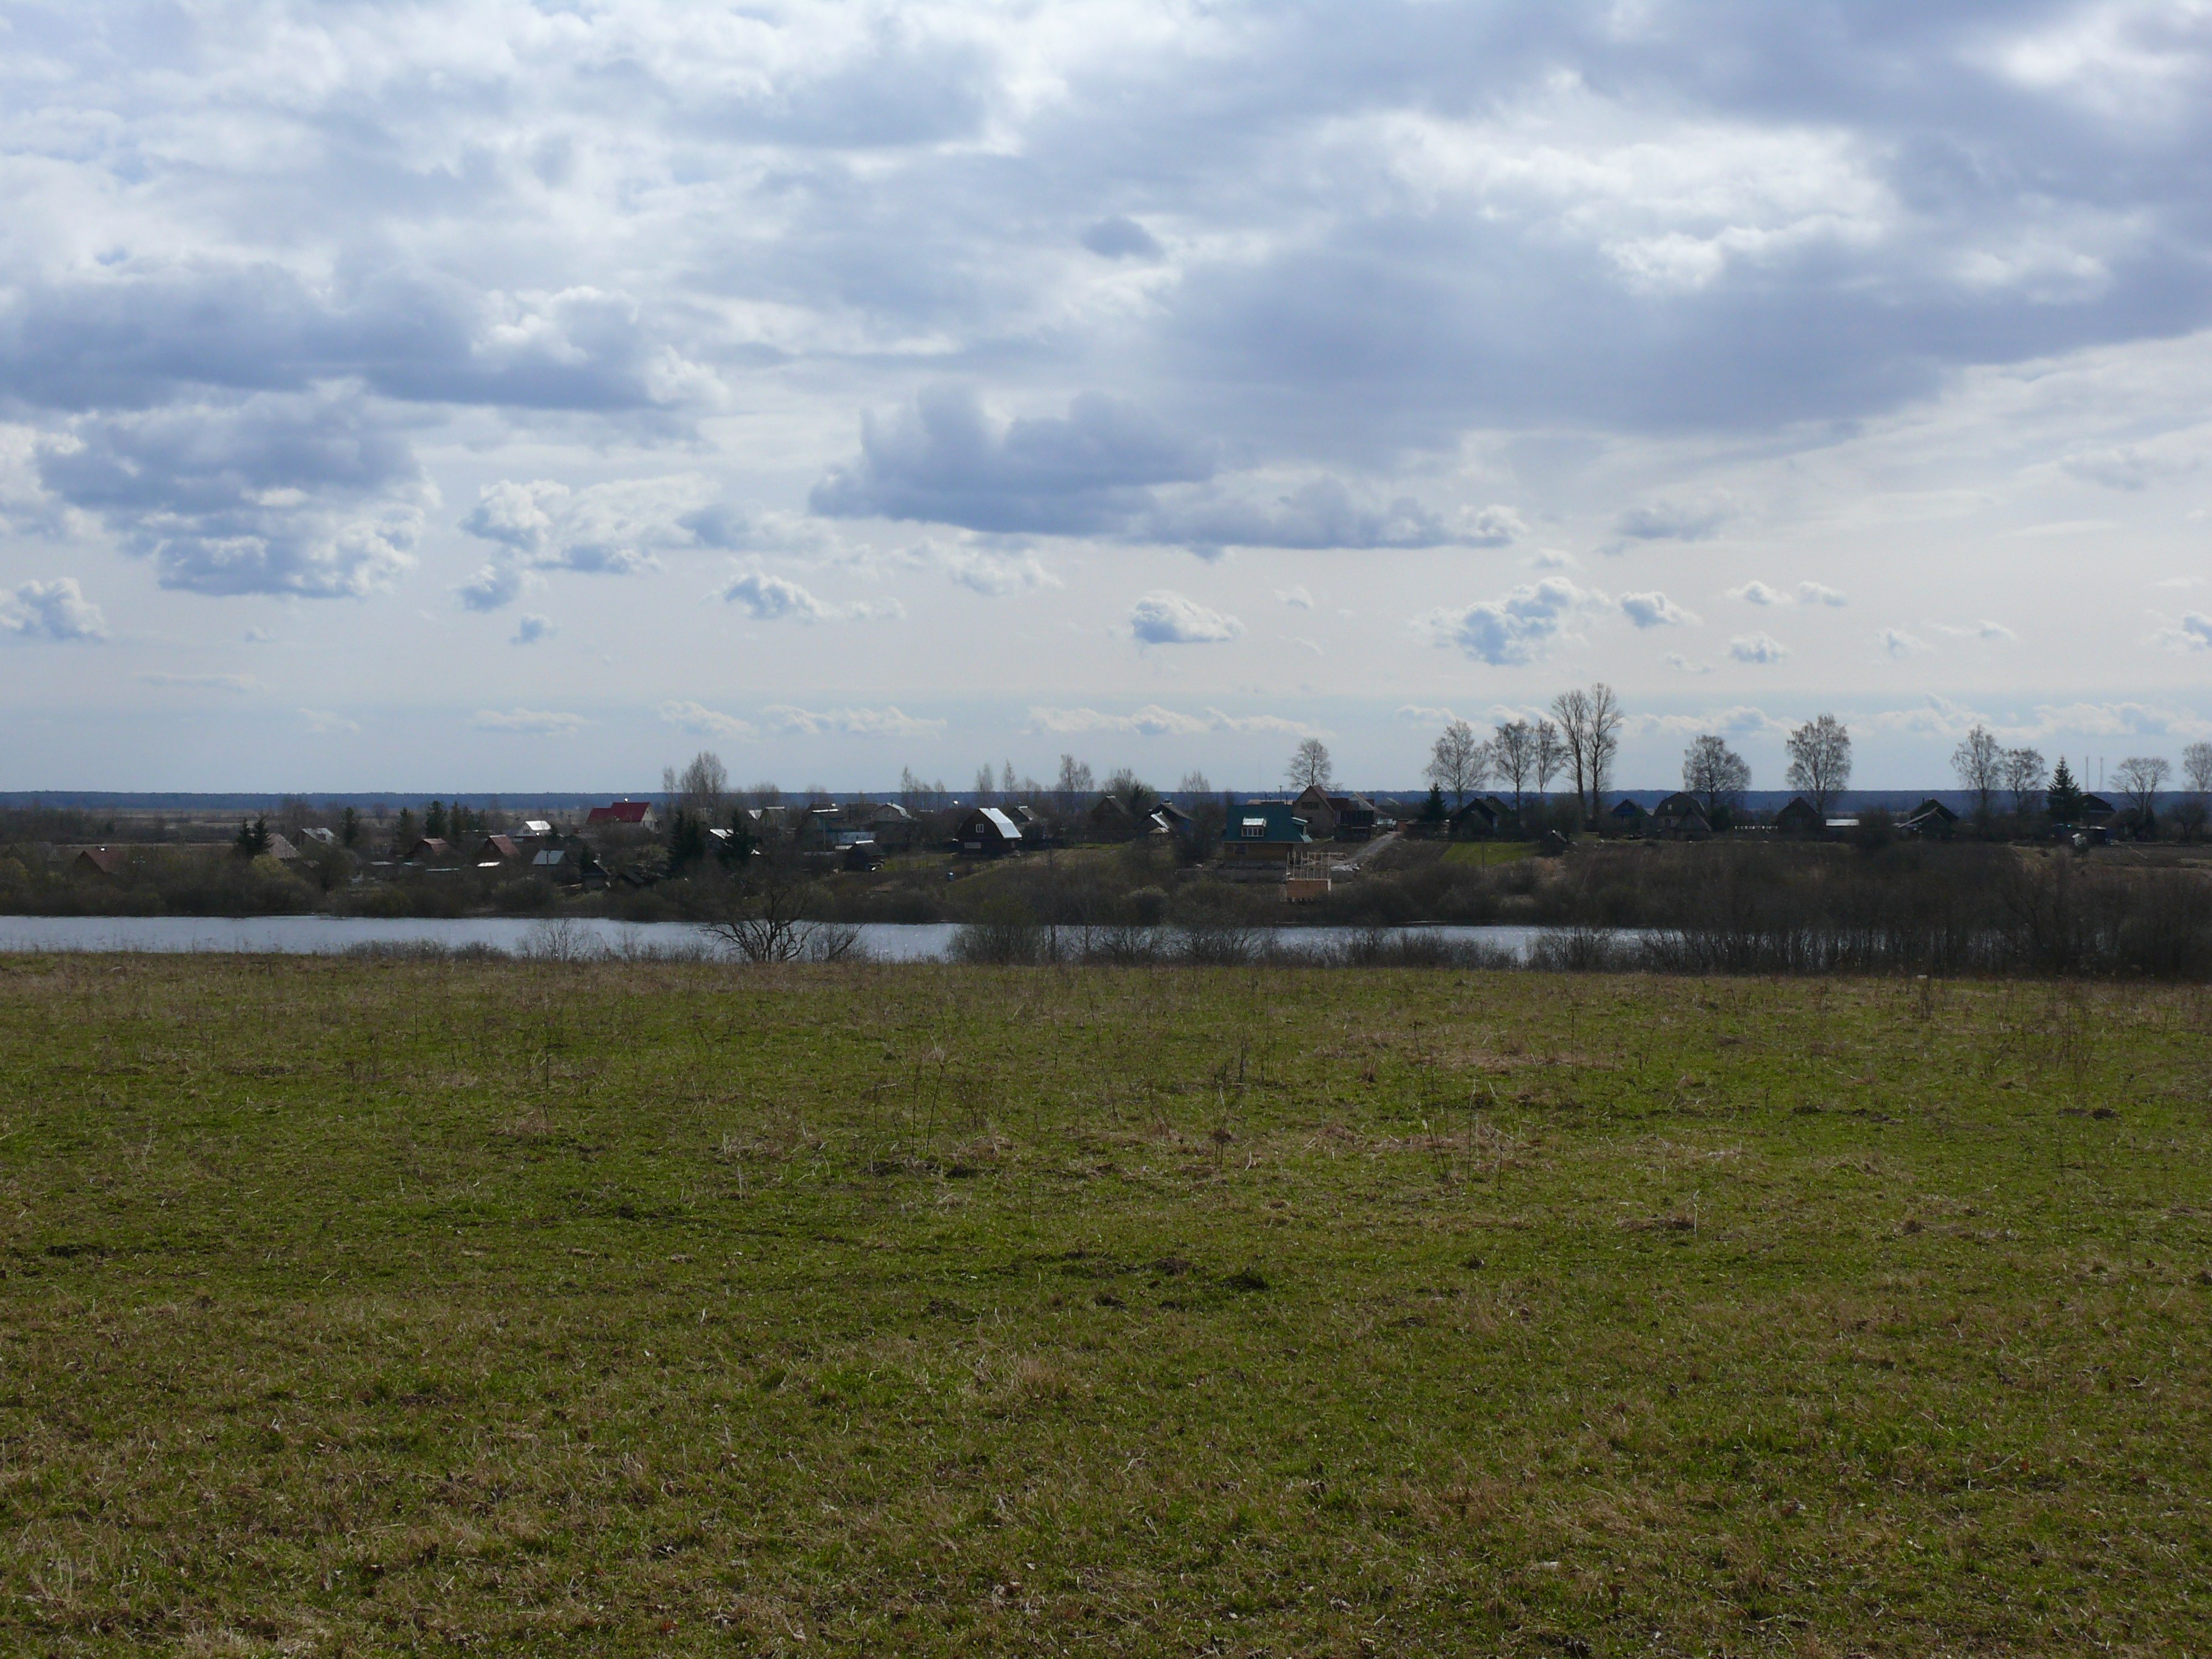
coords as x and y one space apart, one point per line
530 630
698 719
529 722
1757 648
892 722
1162 617
2193 633
1896 642
615 529
1683 664
776 599
994 572
1296 597
1320 513
1655 610
55 610
1153 721
316 495
1984 629
325 721
1758 593
1516 628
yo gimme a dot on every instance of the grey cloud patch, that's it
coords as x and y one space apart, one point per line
943 459
1763 648
1320 513
528 722
530 629
55 610
315 495
615 529
139 338
1673 521
1122 238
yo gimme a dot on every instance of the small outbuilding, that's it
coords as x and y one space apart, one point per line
1800 817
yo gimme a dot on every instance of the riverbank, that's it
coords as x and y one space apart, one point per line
651 1309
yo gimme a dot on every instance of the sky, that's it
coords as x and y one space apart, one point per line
494 396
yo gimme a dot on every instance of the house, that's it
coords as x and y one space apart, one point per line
1263 835
988 833
1111 820
429 849
1477 820
534 830
1036 828
1170 820
1680 816
280 849
1931 817
320 837
498 849
1627 817
104 861
633 814
1313 803
1355 816
893 827
2094 809
1800 817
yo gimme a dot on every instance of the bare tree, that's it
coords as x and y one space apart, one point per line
2196 767
1073 785
1605 722
702 788
1460 761
1820 760
1513 753
2023 775
764 795
763 916
1980 765
1310 765
1132 792
986 784
1551 756
1193 783
1573 711
1713 769
2140 777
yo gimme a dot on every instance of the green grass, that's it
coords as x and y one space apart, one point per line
367 1309
1480 855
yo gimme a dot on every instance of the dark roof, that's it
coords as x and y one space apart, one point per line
499 847
1275 820
1627 807
1679 805
106 859
1003 827
623 812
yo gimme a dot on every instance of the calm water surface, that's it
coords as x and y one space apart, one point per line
333 935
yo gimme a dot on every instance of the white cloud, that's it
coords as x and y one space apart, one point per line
1896 642
325 721
1655 610
776 599
1818 593
795 721
1419 714
1162 617
1516 628
1296 597
1758 593
55 610
1683 664
705 722
992 572
1757 648
1742 721
1674 522
530 630
531 722
1978 631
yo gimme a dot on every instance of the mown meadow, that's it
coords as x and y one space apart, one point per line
358 1307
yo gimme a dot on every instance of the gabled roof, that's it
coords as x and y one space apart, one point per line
622 811
106 859
1679 805
998 820
1272 820
536 827
1627 807
501 846
281 848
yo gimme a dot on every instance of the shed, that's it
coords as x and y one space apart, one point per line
1477 820
1110 819
1628 816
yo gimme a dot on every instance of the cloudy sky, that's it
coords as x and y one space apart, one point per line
492 395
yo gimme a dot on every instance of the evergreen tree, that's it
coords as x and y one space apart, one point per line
2063 798
253 838
350 827
1432 810
434 820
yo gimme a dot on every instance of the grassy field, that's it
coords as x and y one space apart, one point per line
361 1307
